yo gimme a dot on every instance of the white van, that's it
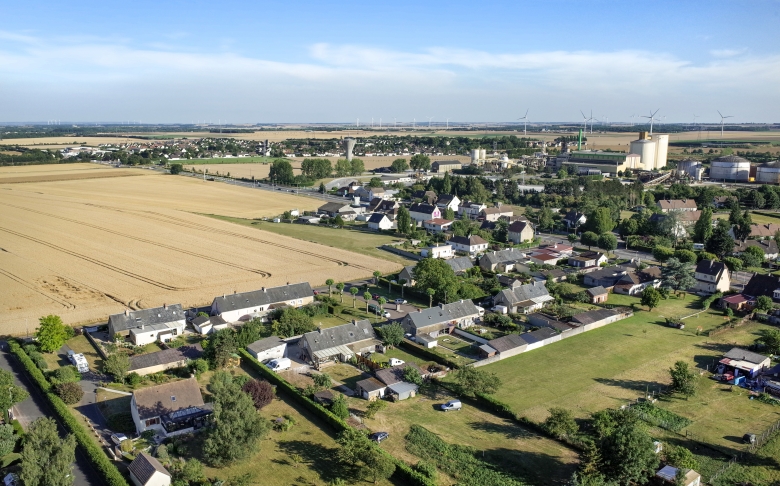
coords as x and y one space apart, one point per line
280 364
452 405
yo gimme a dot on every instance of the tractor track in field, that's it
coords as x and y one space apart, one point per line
35 289
262 273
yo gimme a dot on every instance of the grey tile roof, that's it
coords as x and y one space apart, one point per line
423 208
265 344
340 335
167 398
332 207
144 466
460 264
670 204
538 335
594 291
744 355
762 285
519 226
376 218
505 343
264 296
443 313
388 376
590 317
370 384
146 317
504 256
402 387
525 292
445 199
467 241
767 246
166 356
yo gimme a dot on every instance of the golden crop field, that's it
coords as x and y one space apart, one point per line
85 249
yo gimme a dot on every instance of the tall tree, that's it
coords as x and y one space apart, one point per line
404 221
446 186
449 213
651 297
600 221
343 168
392 334
367 298
743 228
52 333
683 379
434 273
677 275
356 167
329 282
281 172
354 291
236 427
703 229
627 452
420 162
117 364
501 232
546 221
589 238
474 380
10 393
720 243
399 165
607 242
47 460
340 287
221 346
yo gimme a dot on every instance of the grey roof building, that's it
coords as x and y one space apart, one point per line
340 342
538 335
265 344
460 264
144 364
146 470
461 314
505 343
395 374
524 298
234 306
745 355
122 324
498 260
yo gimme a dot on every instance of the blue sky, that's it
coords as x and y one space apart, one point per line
294 61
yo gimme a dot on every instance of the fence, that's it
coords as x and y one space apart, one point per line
763 438
406 254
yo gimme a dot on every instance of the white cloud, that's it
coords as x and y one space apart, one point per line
727 52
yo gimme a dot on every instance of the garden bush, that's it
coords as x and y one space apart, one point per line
70 393
660 417
134 379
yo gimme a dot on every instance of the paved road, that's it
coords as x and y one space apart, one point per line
36 406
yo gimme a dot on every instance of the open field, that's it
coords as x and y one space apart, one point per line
86 249
62 172
615 364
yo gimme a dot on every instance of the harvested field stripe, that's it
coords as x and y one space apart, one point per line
96 262
32 287
262 273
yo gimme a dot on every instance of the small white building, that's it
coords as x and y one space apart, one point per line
163 333
170 409
468 244
245 305
443 251
379 221
145 470
437 225
269 348
448 201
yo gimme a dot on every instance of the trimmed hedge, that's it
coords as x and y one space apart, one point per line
100 461
402 469
428 353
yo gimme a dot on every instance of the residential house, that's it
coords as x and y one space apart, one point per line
555 275
166 320
559 248
666 205
525 298
738 302
470 210
167 359
588 259
377 193
741 362
669 474
509 260
438 225
605 277
520 232
145 470
246 305
711 276
758 285
545 257
378 205
597 295
443 251
208 324
443 166
308 220
722 201
760 231
460 265
574 219
768 246
468 244
423 212
428 197
269 348
379 222
684 224
370 389
636 282
170 409
407 274
496 212
333 209
444 317
448 201
339 343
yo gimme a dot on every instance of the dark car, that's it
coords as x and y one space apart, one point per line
375 296
379 436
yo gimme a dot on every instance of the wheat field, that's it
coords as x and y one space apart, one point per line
87 248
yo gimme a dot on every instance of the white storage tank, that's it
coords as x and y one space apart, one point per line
646 151
474 156
730 168
768 173
690 168
661 149
482 154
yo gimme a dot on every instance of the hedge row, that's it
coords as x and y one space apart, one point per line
424 352
403 470
100 461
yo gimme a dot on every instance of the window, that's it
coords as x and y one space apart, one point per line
153 421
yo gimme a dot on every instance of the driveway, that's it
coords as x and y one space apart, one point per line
35 407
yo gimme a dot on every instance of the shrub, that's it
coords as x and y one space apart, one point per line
8 439
339 407
561 423
134 379
261 392
70 393
199 366
322 380
375 407
66 374
427 469
660 417
39 360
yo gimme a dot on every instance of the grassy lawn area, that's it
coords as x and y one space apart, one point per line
78 344
111 403
457 345
345 373
363 242
399 354
535 459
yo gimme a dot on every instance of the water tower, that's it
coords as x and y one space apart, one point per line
349 143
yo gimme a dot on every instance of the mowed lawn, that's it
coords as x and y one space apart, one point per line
534 458
617 363
364 242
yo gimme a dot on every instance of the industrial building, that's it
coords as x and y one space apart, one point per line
768 173
652 150
730 168
690 168
589 162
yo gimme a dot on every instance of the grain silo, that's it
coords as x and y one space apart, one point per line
768 173
730 168
475 156
661 149
646 150
690 168
482 154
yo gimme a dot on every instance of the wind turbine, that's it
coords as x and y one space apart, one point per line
721 122
585 121
651 117
448 123
429 121
695 116
591 122
525 121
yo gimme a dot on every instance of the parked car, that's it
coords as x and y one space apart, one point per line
118 438
375 296
379 436
386 314
396 361
400 301
280 364
452 405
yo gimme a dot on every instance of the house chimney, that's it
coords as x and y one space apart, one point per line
354 321
127 312
441 306
165 306
263 289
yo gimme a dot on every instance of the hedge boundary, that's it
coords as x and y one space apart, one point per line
403 470
95 454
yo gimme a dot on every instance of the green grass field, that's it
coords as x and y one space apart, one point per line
78 344
363 242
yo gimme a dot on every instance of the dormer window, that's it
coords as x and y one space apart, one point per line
776 294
